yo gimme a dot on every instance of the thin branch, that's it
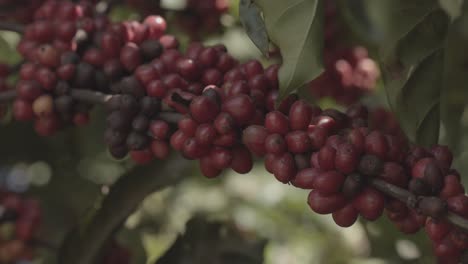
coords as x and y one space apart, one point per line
170 117
90 96
408 198
7 96
8 26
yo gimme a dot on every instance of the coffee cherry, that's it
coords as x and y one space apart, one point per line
352 185
203 109
254 138
241 160
395 174
160 149
284 168
437 230
205 134
159 129
240 107
369 203
224 123
137 141
221 158
43 105
277 122
346 158
326 158
118 152
300 115
130 56
143 156
329 182
22 110
459 205
298 142
208 169
346 216
305 178
325 204
376 144
370 165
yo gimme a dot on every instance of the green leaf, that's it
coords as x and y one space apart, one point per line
426 37
454 96
296 27
251 18
452 7
84 243
414 95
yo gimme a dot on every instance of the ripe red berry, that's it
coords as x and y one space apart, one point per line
160 149
346 216
241 160
205 134
284 168
328 182
254 138
143 156
370 203
376 144
325 204
240 107
203 109
22 110
275 144
298 142
305 178
221 157
300 115
208 169
346 158
326 158
437 230
130 56
277 122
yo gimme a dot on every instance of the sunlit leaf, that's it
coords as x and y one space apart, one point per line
296 27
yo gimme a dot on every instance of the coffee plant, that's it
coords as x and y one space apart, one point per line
360 104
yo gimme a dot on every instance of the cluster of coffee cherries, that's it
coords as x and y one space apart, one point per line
75 51
338 157
51 45
205 104
349 72
19 221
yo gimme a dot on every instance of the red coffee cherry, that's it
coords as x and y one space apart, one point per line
254 138
298 142
277 122
370 203
346 158
241 160
300 115
284 168
346 216
329 182
326 158
376 144
325 204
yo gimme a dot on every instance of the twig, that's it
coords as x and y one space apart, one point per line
407 197
8 96
89 96
7 26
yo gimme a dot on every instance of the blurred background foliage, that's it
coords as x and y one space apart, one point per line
71 172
